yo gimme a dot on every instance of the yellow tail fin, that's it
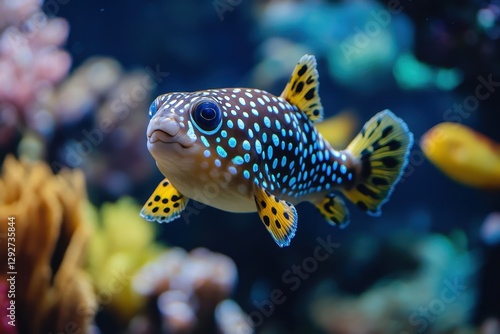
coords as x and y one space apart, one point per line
382 148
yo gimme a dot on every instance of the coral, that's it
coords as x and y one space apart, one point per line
31 63
122 243
110 149
190 291
437 298
51 288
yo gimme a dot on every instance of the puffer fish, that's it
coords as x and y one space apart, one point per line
247 150
463 154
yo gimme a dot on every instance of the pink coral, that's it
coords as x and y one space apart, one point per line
31 60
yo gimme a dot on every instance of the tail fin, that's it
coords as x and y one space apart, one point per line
382 148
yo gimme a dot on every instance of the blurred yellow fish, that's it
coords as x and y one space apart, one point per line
463 154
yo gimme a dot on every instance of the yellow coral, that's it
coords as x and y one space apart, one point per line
123 242
50 239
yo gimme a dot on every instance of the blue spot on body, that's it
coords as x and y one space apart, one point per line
247 157
246 145
246 174
335 165
232 142
204 141
283 161
278 124
270 152
255 168
206 153
349 176
229 124
217 163
275 163
250 133
343 169
287 118
320 156
290 146
256 126
339 180
241 125
264 137
291 182
313 158
258 146
276 139
267 122
223 133
232 170
238 160
221 152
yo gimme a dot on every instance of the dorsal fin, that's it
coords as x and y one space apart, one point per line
302 88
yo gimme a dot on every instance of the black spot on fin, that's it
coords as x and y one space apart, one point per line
279 217
165 204
334 210
382 148
302 89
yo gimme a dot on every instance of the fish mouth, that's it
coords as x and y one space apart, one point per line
158 135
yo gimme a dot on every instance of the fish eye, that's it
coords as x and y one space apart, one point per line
207 117
153 108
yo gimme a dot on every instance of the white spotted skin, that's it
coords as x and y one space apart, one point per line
263 141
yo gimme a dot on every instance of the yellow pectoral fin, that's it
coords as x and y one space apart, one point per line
279 217
334 210
165 204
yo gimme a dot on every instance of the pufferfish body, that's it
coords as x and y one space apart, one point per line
246 150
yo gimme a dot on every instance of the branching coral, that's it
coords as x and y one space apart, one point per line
51 288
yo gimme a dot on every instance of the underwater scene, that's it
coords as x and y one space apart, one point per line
250 167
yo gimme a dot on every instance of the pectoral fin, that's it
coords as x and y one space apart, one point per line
279 217
165 204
